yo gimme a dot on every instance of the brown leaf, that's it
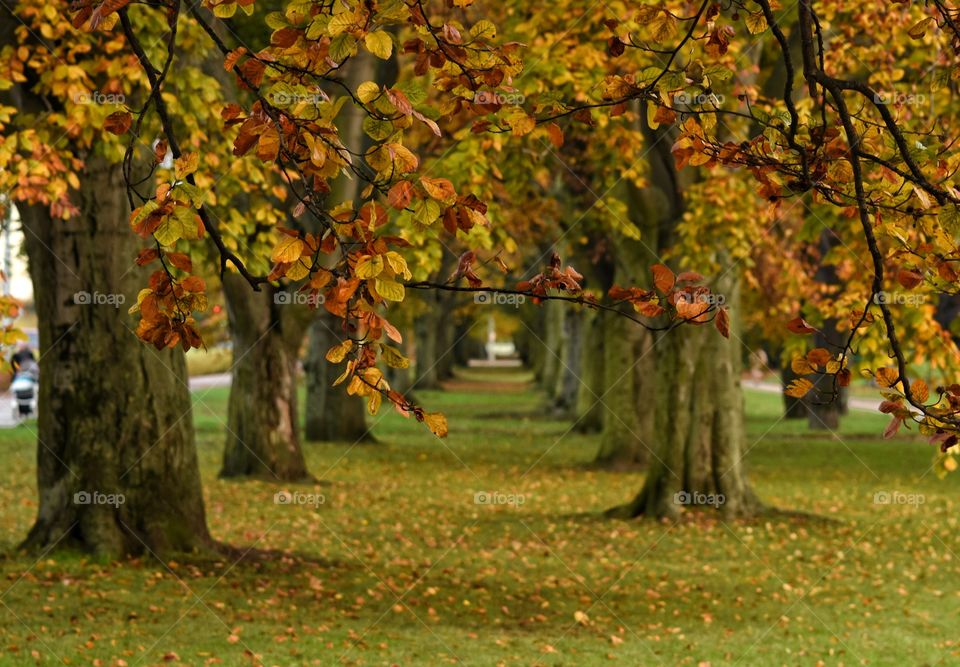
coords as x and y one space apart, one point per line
798 325
118 122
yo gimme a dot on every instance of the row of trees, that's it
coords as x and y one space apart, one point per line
315 156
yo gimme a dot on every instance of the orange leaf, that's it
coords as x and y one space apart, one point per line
663 278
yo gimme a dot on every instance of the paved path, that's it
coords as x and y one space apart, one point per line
223 380
855 403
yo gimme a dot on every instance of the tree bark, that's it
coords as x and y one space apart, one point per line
589 410
115 415
262 416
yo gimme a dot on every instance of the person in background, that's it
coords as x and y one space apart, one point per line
23 355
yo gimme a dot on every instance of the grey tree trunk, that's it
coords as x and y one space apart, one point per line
115 415
589 410
262 417
563 397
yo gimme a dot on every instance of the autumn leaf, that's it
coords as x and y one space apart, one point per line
436 422
439 188
400 194
288 250
663 278
886 377
379 44
118 122
338 353
909 278
799 388
722 322
798 325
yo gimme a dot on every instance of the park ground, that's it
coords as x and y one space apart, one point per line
395 562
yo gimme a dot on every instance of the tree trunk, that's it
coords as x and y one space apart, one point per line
563 398
332 414
700 431
589 410
823 412
116 459
433 329
693 395
628 425
262 421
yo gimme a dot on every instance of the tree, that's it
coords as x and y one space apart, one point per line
116 462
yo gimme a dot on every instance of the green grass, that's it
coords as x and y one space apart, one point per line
400 566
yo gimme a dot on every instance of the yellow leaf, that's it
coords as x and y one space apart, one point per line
886 377
799 388
368 91
919 28
369 266
389 290
338 353
379 44
439 188
288 250
393 357
373 403
801 366
919 391
436 422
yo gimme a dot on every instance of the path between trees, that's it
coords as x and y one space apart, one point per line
868 404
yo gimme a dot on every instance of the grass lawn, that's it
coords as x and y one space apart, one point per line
399 564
